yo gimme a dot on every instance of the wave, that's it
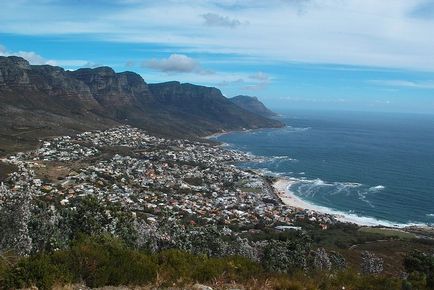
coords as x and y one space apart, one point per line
311 188
267 172
297 129
377 188
350 216
266 161
338 198
282 157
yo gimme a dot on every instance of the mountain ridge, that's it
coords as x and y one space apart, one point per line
45 100
252 104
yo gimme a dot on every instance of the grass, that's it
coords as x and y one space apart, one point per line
388 232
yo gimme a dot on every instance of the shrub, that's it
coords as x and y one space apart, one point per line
107 261
39 271
421 268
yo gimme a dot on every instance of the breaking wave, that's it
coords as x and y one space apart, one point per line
297 129
377 188
348 216
318 188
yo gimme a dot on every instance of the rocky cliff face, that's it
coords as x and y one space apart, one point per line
252 104
42 87
206 108
122 95
37 101
47 100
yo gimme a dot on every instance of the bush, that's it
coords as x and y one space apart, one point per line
39 271
96 261
180 267
421 268
102 261
106 261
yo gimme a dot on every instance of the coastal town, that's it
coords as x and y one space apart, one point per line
157 194
149 176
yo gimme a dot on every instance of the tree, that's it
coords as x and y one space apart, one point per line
15 212
338 261
285 256
420 265
371 264
321 260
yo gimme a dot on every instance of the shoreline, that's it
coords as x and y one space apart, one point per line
282 189
216 135
219 134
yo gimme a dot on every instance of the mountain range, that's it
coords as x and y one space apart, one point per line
44 100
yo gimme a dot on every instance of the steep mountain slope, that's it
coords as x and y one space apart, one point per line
204 109
41 100
122 95
37 101
252 104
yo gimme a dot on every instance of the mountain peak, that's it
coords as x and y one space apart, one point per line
253 105
15 60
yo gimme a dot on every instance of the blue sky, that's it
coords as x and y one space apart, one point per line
319 54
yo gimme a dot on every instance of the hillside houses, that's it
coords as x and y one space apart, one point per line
155 176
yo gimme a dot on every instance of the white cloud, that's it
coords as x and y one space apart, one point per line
404 83
226 83
246 82
212 19
2 50
260 76
256 87
353 32
36 59
261 81
176 63
33 58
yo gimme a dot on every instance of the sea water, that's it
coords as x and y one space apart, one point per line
372 166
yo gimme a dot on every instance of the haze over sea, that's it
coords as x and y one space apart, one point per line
377 167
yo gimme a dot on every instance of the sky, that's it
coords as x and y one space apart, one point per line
366 55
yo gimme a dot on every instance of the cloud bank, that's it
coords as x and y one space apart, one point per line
212 19
176 63
31 56
387 33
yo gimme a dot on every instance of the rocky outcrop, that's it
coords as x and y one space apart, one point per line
124 96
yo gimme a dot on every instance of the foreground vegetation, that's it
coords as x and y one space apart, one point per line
103 260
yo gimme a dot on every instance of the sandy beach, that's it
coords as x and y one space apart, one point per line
282 188
287 197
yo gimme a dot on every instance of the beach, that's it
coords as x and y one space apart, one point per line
287 197
281 186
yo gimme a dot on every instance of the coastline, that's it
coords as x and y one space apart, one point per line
219 134
216 135
282 190
287 197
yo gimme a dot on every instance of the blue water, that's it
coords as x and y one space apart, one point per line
372 165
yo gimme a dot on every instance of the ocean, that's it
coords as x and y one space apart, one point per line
375 167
